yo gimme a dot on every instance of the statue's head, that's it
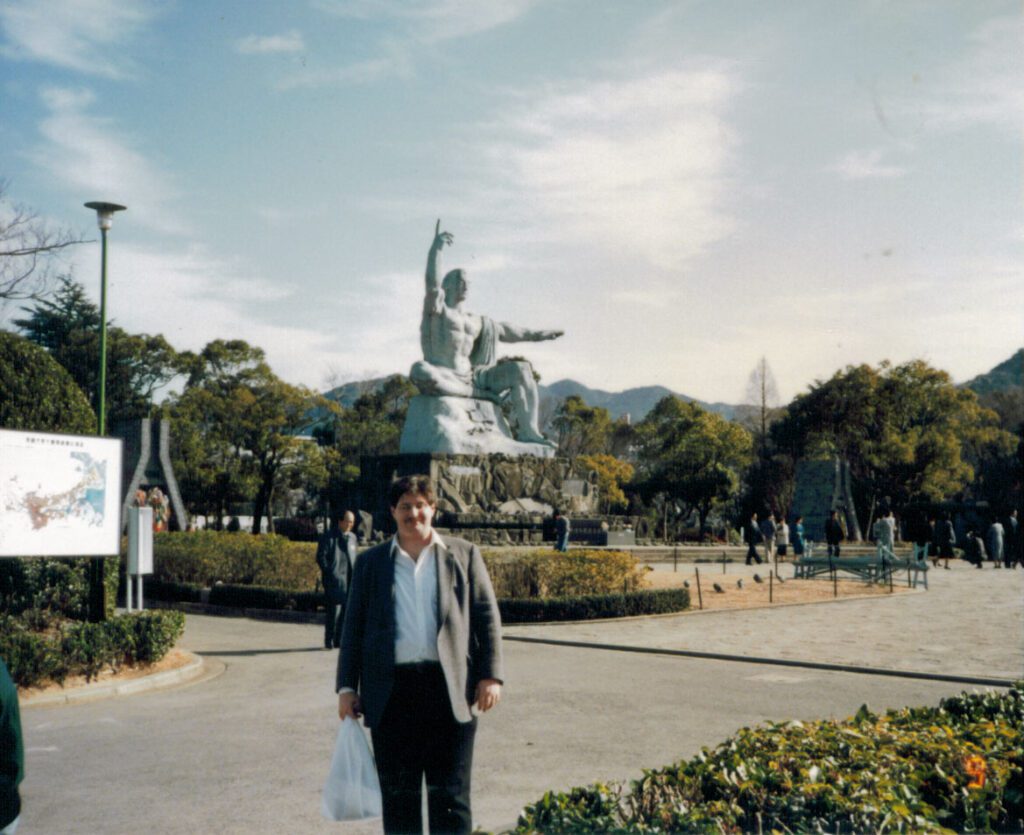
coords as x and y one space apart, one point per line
455 286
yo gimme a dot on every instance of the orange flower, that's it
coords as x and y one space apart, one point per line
975 767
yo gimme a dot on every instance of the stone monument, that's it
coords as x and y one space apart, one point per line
465 389
474 426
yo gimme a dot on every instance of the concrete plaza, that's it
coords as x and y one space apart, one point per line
245 748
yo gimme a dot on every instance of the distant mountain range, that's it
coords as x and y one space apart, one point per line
637 402
1004 377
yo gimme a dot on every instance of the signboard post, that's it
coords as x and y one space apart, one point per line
140 550
60 496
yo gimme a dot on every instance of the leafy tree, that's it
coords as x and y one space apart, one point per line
238 427
612 473
29 247
36 393
582 429
907 432
372 426
138 365
689 459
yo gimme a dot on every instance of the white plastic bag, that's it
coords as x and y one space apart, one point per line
352 791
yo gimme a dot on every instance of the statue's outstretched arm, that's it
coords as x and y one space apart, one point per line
434 297
514 333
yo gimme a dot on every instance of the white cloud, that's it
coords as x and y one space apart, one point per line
866 165
396 64
271 44
420 23
639 166
80 35
433 20
81 151
986 87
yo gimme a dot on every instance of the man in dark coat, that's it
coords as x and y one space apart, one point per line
753 536
420 656
833 533
336 554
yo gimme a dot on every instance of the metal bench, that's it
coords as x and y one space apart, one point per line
873 568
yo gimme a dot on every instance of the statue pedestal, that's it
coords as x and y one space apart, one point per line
461 426
482 491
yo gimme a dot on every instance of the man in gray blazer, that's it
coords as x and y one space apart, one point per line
336 554
420 652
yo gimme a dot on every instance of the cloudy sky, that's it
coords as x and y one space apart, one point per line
683 187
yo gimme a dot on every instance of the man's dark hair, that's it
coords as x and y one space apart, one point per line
418 485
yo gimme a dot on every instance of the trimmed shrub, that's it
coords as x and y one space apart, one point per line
956 767
545 573
87 649
592 607
208 557
58 586
263 597
157 589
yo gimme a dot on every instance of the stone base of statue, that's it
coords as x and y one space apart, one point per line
510 496
462 426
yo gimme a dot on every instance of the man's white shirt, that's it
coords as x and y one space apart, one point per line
416 604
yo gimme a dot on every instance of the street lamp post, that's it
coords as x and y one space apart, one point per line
105 219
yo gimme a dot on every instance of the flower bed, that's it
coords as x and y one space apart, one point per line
958 767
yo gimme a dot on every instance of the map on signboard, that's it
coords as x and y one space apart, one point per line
59 494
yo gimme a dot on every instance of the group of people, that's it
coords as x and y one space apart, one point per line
417 624
773 533
934 537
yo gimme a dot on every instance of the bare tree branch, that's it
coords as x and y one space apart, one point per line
29 247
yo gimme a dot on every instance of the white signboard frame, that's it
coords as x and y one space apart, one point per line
60 495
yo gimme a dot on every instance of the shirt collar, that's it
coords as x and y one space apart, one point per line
435 539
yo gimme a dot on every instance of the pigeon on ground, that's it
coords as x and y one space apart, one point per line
718 588
739 583
686 584
758 579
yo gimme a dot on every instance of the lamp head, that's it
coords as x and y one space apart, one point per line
104 213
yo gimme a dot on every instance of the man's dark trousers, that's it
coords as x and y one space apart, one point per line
417 736
335 614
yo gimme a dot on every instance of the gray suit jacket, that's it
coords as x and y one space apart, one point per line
468 638
335 554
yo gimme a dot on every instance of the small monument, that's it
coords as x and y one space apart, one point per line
146 466
465 390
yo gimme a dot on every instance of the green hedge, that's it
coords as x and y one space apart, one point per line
59 586
208 557
78 648
594 606
263 597
547 573
958 767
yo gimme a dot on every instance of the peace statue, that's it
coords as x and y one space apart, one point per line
459 361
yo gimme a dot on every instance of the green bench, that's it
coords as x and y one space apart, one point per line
871 568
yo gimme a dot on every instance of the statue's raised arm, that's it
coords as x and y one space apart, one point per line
433 302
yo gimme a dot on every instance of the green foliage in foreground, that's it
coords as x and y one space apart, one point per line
958 767
75 648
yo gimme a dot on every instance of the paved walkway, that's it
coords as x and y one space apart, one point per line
969 623
246 749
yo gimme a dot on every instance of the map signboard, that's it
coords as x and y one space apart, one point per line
60 495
